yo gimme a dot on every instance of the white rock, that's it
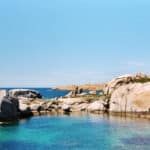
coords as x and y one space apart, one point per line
3 93
96 106
65 107
70 101
131 98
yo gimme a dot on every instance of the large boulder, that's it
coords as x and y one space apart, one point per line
9 108
24 94
133 97
124 80
96 106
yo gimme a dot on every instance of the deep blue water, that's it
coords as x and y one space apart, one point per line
76 133
46 92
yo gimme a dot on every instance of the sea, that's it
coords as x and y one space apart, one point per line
46 93
75 131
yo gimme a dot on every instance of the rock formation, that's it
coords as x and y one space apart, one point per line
75 92
130 93
111 86
24 94
9 107
131 98
125 94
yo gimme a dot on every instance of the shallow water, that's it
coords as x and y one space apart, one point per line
76 133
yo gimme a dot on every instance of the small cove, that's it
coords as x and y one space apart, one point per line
76 132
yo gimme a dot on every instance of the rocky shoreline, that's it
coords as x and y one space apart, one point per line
127 96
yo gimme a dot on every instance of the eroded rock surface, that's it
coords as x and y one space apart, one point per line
124 80
131 98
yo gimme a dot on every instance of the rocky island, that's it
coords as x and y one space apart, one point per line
127 95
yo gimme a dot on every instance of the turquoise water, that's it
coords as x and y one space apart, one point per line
76 133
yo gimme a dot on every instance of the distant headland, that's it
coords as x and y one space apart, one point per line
96 86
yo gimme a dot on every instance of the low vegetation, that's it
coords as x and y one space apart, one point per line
142 80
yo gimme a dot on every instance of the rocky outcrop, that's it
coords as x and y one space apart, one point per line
9 108
80 107
131 98
73 104
84 104
124 80
126 94
71 101
3 93
13 104
24 94
75 92
66 108
96 106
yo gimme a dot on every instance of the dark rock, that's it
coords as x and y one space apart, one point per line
137 140
66 108
9 108
25 93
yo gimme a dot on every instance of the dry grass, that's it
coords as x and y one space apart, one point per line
91 87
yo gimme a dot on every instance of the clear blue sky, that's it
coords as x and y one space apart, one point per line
60 42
